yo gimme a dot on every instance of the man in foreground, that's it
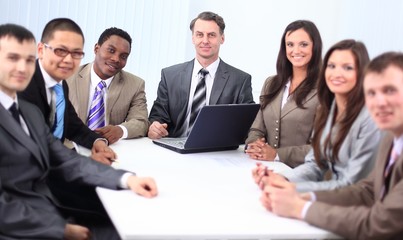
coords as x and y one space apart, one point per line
29 150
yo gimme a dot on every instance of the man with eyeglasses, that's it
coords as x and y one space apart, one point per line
59 55
60 52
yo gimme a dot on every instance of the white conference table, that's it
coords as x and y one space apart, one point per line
201 196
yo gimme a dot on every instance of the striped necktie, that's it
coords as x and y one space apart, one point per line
96 116
199 98
60 108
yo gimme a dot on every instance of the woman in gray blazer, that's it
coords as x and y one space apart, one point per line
345 137
283 126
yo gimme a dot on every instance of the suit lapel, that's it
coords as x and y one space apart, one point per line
292 105
40 82
82 89
185 78
276 105
220 80
114 90
383 156
16 131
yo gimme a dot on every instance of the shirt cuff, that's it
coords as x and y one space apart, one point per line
102 139
277 158
305 209
313 196
125 133
123 180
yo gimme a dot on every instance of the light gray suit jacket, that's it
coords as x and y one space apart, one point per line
126 103
231 85
356 157
289 129
358 211
28 209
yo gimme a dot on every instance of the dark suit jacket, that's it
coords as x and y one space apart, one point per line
27 207
231 85
357 211
74 129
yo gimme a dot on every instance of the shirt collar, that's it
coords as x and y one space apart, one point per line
49 81
6 100
95 79
212 68
398 144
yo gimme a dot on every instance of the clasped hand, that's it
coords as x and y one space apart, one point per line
278 195
260 150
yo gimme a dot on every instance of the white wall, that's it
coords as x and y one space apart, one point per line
161 35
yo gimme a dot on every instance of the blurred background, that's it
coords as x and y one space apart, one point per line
161 34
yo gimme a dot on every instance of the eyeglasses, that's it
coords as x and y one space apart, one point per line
61 52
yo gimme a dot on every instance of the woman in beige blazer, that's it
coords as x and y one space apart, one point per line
283 126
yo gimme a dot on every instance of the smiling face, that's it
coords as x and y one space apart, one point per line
384 98
58 67
17 64
111 56
207 40
341 73
298 48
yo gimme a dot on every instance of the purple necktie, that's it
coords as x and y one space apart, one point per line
96 116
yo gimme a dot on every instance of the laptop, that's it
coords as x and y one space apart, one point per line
216 128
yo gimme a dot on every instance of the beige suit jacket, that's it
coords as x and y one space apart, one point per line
289 129
126 103
358 211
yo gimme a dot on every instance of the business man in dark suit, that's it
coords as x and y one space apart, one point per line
171 114
372 208
60 52
59 55
28 152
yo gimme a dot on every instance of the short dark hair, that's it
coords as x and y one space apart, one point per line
114 31
383 61
60 24
209 16
17 31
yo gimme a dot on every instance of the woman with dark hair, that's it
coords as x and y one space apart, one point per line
283 126
345 137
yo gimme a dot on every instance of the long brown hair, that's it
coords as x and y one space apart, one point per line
355 102
284 66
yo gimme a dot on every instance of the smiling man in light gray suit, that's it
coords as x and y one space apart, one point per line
224 84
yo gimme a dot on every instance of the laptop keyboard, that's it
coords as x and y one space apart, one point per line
175 142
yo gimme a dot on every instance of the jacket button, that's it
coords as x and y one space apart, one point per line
275 145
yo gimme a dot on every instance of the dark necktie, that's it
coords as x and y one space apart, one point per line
96 116
388 170
199 98
15 113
